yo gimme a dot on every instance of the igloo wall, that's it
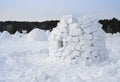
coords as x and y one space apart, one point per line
81 41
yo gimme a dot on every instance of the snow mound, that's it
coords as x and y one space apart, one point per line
81 41
5 35
37 35
17 34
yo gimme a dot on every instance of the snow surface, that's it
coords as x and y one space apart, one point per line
23 61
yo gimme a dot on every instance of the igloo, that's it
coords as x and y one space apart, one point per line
78 41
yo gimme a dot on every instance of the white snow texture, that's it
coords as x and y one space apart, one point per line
79 42
5 35
29 61
37 35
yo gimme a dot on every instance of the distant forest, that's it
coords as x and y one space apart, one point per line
109 26
13 26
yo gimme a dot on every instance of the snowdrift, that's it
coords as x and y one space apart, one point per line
37 35
5 35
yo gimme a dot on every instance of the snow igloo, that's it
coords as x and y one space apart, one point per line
78 40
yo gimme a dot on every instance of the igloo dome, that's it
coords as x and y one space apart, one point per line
81 41
37 35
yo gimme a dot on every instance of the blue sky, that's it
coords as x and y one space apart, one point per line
40 10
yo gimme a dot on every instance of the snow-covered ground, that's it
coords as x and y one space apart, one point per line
28 61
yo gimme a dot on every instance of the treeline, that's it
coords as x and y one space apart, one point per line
13 26
109 26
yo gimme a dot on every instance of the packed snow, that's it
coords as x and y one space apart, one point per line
81 42
29 61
